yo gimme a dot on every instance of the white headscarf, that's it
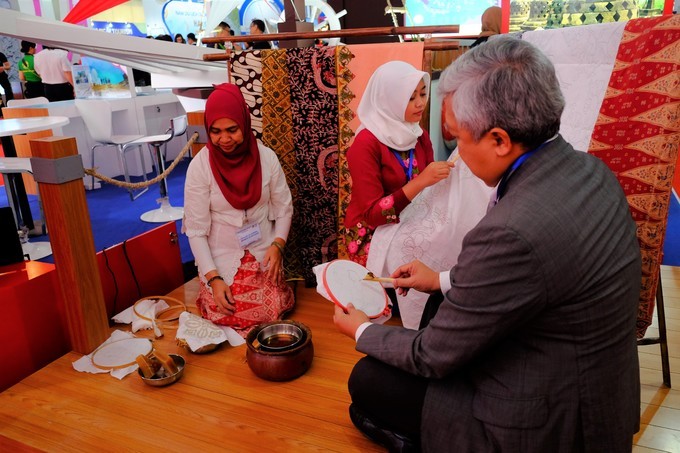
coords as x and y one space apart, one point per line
384 102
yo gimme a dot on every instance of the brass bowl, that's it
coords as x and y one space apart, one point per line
162 382
283 364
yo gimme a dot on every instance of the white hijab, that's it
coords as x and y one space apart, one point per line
382 107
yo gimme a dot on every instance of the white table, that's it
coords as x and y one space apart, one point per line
14 165
15 126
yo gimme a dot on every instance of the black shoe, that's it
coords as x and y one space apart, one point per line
394 442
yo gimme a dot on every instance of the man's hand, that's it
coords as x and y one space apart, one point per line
415 275
348 322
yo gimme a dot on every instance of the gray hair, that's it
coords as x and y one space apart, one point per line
506 83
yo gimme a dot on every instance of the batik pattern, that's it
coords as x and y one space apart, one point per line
637 135
256 298
346 134
314 107
277 134
246 73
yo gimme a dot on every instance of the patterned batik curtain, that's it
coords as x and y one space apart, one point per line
637 135
292 95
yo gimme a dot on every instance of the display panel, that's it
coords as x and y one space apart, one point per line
106 79
466 13
530 14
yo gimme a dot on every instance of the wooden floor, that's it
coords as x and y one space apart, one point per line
660 416
219 405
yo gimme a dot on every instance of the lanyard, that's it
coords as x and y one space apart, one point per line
515 165
408 171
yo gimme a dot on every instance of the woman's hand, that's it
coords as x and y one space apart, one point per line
433 173
273 262
223 297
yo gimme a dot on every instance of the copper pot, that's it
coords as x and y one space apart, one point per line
280 365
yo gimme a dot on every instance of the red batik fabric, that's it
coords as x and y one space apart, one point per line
637 135
257 299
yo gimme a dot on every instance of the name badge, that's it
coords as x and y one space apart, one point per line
248 234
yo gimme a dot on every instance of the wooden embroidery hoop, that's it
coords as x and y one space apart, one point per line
166 316
121 353
344 282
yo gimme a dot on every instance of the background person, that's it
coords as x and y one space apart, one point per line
33 86
533 348
179 38
5 66
391 159
237 214
491 24
257 28
224 29
54 69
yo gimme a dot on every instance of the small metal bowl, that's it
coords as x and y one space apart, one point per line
280 337
162 382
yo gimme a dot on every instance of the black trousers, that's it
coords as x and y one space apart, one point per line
393 399
34 90
58 91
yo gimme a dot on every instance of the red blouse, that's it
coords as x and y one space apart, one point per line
378 179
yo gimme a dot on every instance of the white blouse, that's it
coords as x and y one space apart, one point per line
210 222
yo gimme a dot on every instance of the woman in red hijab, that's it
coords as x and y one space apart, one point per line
237 214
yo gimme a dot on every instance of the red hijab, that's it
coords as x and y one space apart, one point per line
239 173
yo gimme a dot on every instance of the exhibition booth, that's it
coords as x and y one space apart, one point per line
303 104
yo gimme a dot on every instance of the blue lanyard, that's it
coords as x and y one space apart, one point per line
515 165
408 171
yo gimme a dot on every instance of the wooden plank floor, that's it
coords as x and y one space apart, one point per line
660 416
219 405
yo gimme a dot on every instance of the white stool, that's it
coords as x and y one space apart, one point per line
13 165
166 212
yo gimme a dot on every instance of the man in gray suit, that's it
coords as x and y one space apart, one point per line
533 348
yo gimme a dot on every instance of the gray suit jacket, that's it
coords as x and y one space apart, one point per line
533 348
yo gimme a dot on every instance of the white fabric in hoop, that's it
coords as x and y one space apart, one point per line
431 229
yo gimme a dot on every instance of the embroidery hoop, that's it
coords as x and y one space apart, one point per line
344 282
120 353
165 316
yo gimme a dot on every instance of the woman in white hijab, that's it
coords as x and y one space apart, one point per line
391 160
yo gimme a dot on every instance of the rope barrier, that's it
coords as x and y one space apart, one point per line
140 185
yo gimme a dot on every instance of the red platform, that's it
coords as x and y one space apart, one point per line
32 325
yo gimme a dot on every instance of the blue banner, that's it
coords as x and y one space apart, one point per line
120 28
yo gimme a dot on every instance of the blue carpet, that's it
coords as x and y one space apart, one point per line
671 246
115 218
